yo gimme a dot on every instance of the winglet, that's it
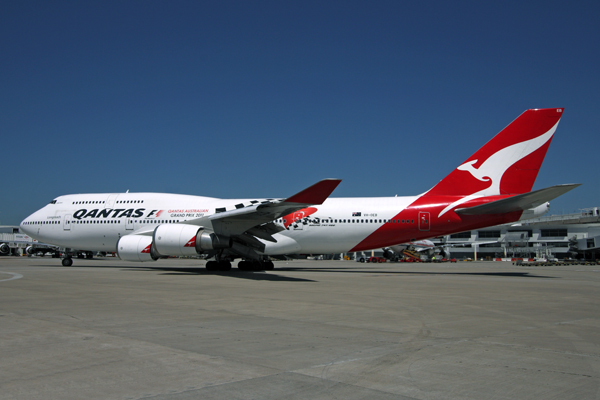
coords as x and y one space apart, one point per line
316 194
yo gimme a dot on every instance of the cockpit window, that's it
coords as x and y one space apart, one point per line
53 201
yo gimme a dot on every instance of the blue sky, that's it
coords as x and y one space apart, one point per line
262 99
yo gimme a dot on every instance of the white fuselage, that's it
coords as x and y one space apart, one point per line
95 222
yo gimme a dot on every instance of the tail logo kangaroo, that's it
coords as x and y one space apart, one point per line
493 169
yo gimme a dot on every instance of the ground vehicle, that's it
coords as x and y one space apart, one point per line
375 259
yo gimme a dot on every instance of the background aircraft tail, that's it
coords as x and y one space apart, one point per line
507 164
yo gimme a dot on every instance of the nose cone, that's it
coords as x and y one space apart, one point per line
30 224
25 227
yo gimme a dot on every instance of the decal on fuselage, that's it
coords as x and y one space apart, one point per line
137 213
186 213
109 213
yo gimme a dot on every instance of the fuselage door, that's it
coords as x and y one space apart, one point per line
129 224
67 222
424 221
110 202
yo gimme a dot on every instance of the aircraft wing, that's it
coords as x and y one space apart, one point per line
251 219
519 202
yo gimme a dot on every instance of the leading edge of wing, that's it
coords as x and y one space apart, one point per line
519 202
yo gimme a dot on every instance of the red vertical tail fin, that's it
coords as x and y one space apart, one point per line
509 162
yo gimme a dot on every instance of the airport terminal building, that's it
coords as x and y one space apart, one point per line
555 236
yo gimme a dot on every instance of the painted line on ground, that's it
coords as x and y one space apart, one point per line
14 276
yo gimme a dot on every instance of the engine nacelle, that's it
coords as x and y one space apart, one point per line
176 239
136 248
212 241
186 240
389 254
30 250
4 248
170 240
535 212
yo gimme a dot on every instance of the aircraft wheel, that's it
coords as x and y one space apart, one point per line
250 266
260 265
224 266
212 266
67 262
244 266
268 265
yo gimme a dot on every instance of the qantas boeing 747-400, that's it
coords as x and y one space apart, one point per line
491 187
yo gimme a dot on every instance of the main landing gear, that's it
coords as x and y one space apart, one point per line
67 262
253 265
223 265
256 265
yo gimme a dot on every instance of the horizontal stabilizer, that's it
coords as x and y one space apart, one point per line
519 202
316 194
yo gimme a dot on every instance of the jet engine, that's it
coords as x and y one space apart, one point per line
4 248
389 254
187 240
170 240
535 212
136 248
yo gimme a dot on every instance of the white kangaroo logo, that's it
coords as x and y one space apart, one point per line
495 166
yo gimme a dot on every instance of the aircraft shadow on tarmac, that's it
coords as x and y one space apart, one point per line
374 271
234 273
273 276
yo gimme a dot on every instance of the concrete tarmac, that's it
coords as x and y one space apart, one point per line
107 329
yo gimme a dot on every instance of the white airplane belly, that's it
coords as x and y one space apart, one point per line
326 239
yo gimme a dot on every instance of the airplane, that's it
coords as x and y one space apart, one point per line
491 187
18 241
43 249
